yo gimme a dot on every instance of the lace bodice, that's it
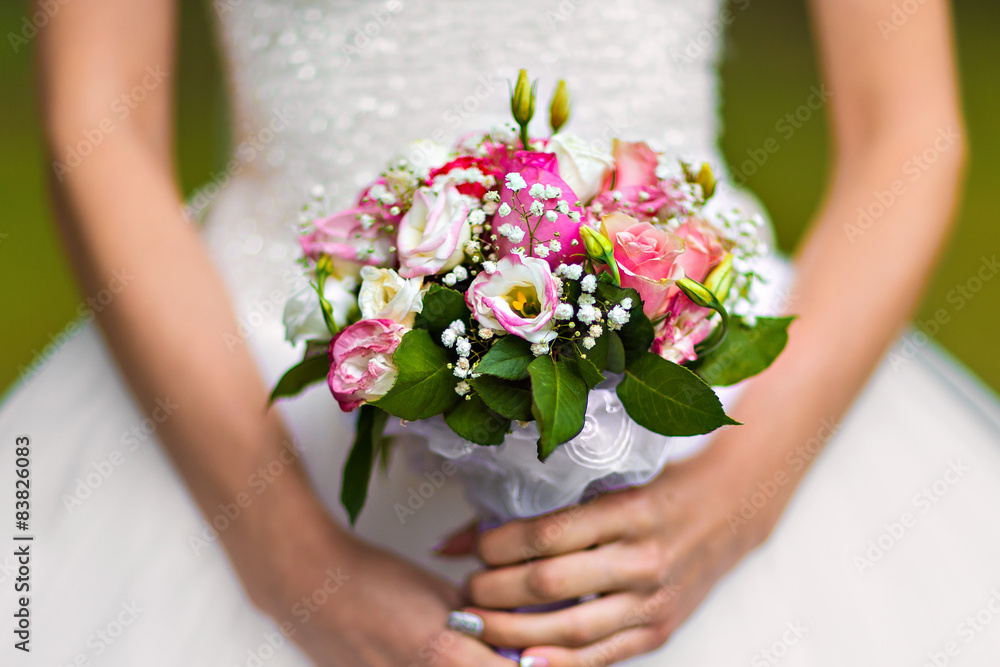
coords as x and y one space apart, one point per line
325 92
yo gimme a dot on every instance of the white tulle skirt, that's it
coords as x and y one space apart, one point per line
889 554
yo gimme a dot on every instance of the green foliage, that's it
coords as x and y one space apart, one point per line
669 399
508 399
745 351
308 371
508 358
473 420
558 402
424 386
361 460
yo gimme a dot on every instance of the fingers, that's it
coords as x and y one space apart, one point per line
621 646
605 519
453 649
576 626
612 567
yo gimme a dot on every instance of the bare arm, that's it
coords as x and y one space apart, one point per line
119 211
893 99
655 552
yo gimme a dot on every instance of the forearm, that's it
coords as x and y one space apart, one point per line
856 286
166 326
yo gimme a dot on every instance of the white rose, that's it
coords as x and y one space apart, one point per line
424 155
583 166
385 295
433 233
303 317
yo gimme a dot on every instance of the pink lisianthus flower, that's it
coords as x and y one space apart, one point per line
552 233
519 297
647 259
361 366
685 325
360 234
433 232
704 249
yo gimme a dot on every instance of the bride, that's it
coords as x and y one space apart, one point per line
177 522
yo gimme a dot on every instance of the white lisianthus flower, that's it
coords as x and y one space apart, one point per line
433 233
583 167
303 317
519 297
385 295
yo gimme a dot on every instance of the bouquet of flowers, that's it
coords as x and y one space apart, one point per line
543 310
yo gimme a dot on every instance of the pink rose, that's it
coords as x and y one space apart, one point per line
359 234
519 297
433 233
684 326
635 165
361 366
646 258
539 170
703 249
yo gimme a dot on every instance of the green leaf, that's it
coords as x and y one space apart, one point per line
586 368
440 307
598 354
669 399
508 358
616 353
473 420
424 386
508 399
637 334
298 377
558 402
361 460
745 351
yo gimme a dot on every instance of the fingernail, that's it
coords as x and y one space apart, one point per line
534 661
467 624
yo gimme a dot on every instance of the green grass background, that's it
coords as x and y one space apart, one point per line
768 69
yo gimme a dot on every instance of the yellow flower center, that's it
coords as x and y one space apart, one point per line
524 302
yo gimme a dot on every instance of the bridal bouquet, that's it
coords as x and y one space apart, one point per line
541 310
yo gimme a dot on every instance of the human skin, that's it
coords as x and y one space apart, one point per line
655 552
121 207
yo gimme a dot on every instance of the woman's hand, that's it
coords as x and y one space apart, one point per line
347 603
652 554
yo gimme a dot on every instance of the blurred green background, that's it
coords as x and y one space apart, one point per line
768 68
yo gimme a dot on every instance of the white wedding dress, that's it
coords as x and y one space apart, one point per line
889 554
